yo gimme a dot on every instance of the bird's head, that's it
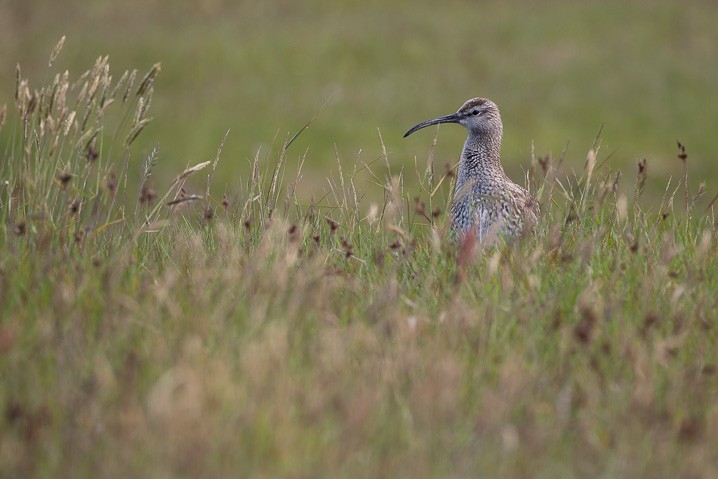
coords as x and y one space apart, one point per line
478 116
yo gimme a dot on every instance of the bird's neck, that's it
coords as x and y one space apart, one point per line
480 160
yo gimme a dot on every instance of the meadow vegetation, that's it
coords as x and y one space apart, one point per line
558 70
150 331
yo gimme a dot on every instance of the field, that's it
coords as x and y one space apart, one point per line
558 70
180 300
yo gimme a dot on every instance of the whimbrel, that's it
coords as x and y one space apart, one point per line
486 202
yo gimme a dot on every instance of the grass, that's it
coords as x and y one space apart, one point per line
147 331
558 70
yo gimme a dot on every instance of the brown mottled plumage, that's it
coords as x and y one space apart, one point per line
486 201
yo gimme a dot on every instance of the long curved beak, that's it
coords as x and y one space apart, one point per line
453 118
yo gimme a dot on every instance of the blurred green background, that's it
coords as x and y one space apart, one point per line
647 70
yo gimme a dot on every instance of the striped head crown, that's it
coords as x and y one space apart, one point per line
478 116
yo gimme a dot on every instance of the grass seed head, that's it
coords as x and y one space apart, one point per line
583 331
419 206
91 153
19 228
56 51
148 195
111 184
149 79
449 171
682 155
346 247
130 83
544 162
293 232
75 206
641 176
64 179
208 214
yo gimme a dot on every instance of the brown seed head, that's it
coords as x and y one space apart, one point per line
420 206
111 183
147 194
91 153
64 179
544 163
682 152
449 172
293 233
583 331
348 250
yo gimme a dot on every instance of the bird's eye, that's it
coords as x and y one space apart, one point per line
475 112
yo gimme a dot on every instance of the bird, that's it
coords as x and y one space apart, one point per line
486 202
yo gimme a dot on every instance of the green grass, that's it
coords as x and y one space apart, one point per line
264 337
558 70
